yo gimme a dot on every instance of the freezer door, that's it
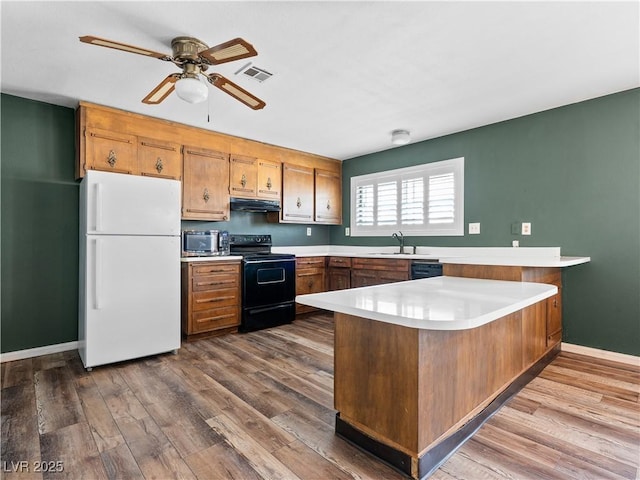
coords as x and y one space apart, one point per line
119 204
131 298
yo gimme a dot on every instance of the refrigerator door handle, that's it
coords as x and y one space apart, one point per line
98 275
98 207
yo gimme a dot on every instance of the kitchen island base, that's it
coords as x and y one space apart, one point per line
424 392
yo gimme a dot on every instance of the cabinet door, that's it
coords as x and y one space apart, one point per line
157 158
554 318
244 176
339 278
205 185
111 151
309 280
328 189
269 179
297 193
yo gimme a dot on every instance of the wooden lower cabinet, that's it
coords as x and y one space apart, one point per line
338 273
545 327
211 300
310 278
366 272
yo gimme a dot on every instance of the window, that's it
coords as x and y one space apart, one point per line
423 200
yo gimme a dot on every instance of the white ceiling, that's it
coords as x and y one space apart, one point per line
345 73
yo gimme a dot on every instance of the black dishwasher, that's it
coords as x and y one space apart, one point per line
425 269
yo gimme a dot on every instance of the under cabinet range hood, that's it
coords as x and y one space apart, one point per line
254 205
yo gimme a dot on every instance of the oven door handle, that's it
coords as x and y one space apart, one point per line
281 260
270 308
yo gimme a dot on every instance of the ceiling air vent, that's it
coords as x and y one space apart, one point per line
254 72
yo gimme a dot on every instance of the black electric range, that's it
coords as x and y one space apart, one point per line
268 282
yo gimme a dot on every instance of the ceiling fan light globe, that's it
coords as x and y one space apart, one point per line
191 90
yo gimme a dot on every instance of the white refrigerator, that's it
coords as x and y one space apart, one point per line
129 304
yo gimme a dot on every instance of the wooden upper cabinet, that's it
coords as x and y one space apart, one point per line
328 190
205 184
269 180
255 178
243 178
297 193
110 151
158 158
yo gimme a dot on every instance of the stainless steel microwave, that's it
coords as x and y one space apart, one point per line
205 243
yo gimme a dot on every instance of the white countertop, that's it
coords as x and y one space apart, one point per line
217 258
503 256
439 303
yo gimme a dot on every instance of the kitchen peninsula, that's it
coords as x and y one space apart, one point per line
419 365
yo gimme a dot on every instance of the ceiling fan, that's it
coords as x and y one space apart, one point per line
194 58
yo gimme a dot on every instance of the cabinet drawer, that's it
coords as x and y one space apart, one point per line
208 320
214 299
310 262
344 262
399 265
214 282
212 268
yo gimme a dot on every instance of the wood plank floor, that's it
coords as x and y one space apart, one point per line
260 406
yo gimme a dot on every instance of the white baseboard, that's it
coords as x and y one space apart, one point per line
36 352
604 354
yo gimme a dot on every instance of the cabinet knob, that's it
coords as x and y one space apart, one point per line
112 158
269 184
328 205
243 180
159 165
555 303
299 203
205 195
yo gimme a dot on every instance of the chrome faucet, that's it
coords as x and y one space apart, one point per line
400 237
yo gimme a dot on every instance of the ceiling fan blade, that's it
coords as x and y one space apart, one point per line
236 91
162 91
123 46
228 51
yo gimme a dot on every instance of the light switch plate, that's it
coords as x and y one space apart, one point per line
526 228
347 231
474 228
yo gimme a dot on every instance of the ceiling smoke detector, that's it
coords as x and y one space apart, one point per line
254 72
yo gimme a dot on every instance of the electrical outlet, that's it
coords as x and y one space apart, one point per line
526 228
347 231
474 228
308 231
515 243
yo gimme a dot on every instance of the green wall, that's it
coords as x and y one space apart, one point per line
39 236
574 173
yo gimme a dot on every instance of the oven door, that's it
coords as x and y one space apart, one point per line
268 282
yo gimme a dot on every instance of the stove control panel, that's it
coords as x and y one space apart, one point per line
249 240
